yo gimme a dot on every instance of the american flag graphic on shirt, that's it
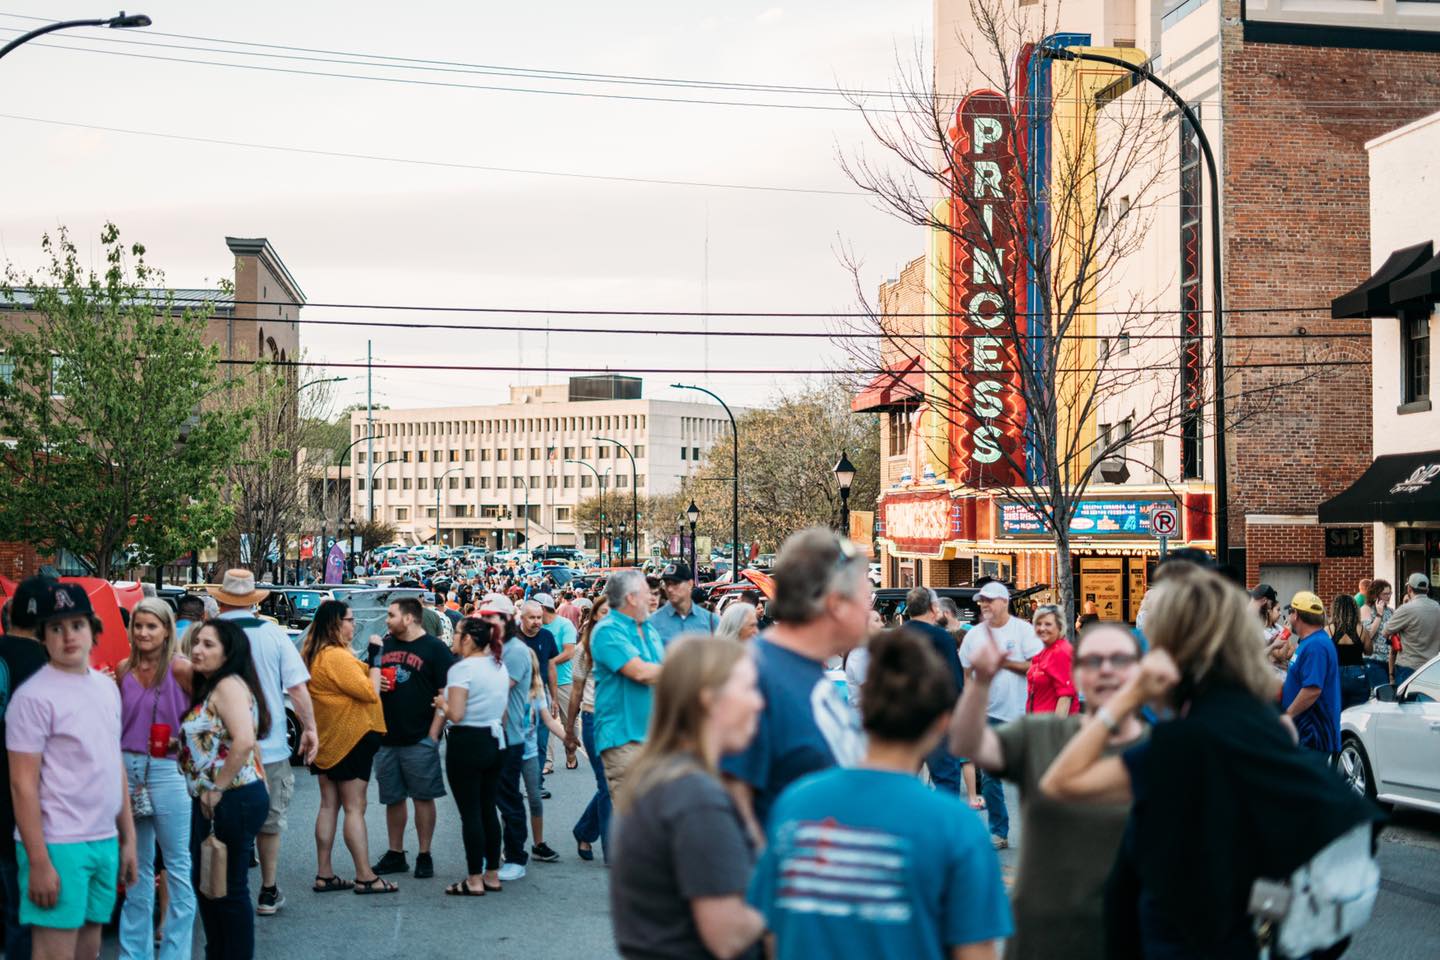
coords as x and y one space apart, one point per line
833 870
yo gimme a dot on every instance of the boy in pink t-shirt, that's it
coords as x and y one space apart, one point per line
71 813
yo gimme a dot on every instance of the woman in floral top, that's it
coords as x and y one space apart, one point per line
222 769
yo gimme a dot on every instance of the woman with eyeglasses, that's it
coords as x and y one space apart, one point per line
1219 794
1058 897
350 722
1049 686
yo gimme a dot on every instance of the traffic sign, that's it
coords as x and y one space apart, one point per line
1164 520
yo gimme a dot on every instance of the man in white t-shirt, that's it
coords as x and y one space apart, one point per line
1017 639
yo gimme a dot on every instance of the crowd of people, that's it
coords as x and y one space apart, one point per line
744 798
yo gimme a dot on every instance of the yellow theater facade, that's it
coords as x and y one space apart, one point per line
949 513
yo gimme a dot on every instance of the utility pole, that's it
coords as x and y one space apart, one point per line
370 425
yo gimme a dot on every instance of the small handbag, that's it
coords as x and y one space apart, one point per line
141 804
214 866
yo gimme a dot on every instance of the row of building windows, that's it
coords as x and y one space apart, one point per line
489 511
468 455
444 428
587 481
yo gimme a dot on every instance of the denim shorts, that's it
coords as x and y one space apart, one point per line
410 773
88 872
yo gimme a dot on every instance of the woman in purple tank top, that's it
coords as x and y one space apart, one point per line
154 694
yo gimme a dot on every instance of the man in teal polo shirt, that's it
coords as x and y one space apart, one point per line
627 652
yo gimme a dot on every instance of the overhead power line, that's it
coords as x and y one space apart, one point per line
755 371
452 165
456 66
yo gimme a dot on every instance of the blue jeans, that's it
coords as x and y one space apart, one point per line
229 922
1402 674
992 788
1377 673
542 741
171 827
17 936
514 827
594 823
944 769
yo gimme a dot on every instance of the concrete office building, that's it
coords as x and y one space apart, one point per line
496 474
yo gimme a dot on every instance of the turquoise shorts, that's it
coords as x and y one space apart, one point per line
88 873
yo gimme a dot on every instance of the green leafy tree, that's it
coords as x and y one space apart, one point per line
118 428
787 460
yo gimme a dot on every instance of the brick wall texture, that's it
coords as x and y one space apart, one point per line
1296 224
1280 543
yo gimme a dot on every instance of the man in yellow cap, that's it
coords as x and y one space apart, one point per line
1311 695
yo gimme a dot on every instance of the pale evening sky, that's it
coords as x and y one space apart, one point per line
368 231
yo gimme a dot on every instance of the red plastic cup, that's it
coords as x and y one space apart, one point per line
389 674
159 740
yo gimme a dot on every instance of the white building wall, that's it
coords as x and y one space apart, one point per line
1404 195
472 440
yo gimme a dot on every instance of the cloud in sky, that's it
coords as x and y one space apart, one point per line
770 15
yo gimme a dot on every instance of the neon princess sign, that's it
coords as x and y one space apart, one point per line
984 247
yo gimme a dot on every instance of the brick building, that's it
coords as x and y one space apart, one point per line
259 319
1287 93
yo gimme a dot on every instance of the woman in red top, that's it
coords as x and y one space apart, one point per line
1050 687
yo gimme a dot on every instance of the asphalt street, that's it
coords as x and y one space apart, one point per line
559 911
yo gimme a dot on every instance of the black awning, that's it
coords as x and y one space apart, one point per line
1422 284
1372 298
1395 488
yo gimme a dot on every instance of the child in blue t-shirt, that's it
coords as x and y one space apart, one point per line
539 712
869 862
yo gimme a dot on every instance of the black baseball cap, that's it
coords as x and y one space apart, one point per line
65 600
31 600
1263 591
677 572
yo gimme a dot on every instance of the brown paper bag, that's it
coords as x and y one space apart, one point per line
214 866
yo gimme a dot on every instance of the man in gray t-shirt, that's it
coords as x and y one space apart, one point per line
1417 621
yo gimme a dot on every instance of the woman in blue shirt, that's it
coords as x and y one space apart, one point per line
869 862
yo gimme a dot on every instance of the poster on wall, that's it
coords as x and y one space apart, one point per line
1102 582
922 522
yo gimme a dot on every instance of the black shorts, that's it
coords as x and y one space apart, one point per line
356 764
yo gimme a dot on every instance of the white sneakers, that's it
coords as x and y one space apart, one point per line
511 871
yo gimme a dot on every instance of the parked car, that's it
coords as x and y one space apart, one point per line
293 606
1390 745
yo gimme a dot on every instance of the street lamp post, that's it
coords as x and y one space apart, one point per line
634 497
598 483
692 513
609 544
624 541
845 474
371 488
122 22
437 502
279 418
324 487
1217 296
734 476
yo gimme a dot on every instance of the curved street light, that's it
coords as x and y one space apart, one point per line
437 502
121 22
634 497
734 477
598 483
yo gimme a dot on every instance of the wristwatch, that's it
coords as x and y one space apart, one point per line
1106 717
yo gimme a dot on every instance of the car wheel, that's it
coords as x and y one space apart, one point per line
1354 767
292 738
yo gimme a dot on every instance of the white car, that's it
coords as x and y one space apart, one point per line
1390 745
